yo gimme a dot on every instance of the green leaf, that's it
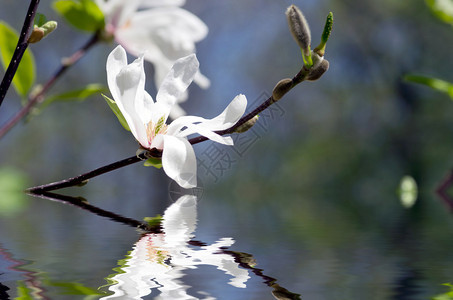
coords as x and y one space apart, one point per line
76 95
435 83
83 14
39 20
25 75
153 162
442 9
114 107
153 221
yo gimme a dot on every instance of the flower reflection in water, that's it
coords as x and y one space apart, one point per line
158 260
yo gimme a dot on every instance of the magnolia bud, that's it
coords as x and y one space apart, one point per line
299 28
247 125
41 32
36 35
316 72
281 88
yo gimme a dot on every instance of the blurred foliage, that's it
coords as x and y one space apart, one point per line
82 94
82 14
447 296
25 75
12 197
434 83
442 9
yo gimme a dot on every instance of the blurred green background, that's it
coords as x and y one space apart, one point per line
312 190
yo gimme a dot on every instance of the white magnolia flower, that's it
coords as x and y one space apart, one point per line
158 262
158 28
147 118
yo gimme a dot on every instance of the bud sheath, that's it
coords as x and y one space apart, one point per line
281 88
299 28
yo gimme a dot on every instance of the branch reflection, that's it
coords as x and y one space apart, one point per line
163 254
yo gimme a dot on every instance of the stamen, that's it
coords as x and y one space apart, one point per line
153 130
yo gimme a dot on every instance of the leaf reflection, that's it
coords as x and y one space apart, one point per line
164 252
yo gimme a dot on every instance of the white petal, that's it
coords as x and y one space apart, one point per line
187 124
118 12
166 34
225 120
201 80
177 112
169 32
151 3
179 161
179 221
178 79
234 111
127 85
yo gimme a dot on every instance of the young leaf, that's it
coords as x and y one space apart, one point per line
76 95
114 107
437 84
153 162
83 14
39 20
25 74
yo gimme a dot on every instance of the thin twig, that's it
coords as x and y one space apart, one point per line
156 153
22 45
39 97
82 179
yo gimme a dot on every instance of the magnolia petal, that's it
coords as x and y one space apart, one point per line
177 80
169 32
201 129
179 221
152 3
176 112
202 80
166 34
127 85
179 161
232 113
118 12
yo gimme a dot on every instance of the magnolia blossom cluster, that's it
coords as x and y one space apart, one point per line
147 119
160 29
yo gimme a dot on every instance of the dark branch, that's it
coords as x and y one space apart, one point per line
22 45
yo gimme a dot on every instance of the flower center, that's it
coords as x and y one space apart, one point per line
154 129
